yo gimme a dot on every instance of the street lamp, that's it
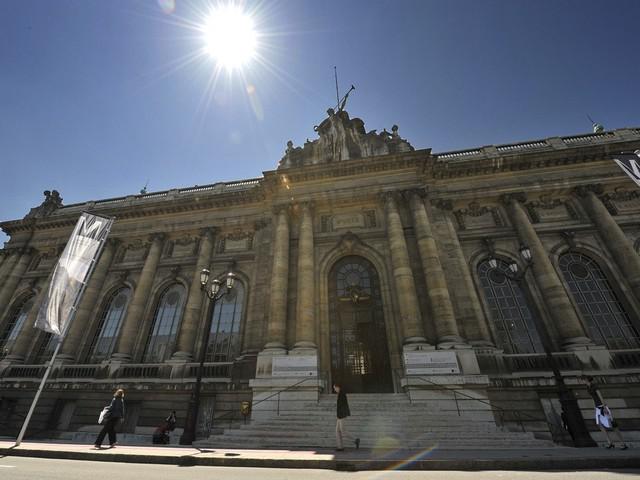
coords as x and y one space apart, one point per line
568 402
214 292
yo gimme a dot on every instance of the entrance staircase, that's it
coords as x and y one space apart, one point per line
380 421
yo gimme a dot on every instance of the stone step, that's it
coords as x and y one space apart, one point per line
368 433
353 423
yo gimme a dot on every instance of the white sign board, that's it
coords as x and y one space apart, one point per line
431 363
294 366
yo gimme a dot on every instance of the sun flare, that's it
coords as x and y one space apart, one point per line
229 35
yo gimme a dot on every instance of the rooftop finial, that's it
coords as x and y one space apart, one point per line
597 128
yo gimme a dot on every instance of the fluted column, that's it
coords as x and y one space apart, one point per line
555 296
71 347
305 327
617 242
276 328
193 310
13 278
441 307
411 323
28 333
135 310
8 264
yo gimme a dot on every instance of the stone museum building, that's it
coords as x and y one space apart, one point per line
473 284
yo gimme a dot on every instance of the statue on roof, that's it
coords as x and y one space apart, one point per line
52 201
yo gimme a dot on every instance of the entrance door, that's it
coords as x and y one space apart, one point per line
359 351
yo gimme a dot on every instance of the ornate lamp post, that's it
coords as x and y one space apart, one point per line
214 292
568 402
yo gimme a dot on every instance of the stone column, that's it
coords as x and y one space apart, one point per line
193 309
24 340
564 316
305 326
8 264
411 323
617 242
441 307
276 328
13 278
472 315
71 347
135 310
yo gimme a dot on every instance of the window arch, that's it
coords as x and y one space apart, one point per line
14 324
109 323
606 319
166 321
224 337
514 325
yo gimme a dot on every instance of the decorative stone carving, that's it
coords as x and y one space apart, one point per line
342 138
238 241
134 251
186 246
550 209
570 238
349 241
622 201
478 217
52 201
343 221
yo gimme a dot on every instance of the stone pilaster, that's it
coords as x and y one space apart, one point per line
276 328
193 309
135 310
13 278
562 312
411 322
617 242
71 347
11 258
305 325
441 307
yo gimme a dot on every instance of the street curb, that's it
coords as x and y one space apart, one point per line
530 464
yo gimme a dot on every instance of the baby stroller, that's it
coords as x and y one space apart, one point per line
161 434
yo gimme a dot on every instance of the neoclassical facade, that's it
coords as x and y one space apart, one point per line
357 250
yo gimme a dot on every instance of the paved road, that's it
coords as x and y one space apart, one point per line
22 468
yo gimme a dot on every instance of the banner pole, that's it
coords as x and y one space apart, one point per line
27 419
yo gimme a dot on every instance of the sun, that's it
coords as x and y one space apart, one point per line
229 36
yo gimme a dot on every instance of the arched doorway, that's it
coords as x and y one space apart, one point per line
359 350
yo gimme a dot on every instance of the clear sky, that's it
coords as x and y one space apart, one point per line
99 97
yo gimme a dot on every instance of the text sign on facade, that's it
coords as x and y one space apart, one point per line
431 363
294 366
354 220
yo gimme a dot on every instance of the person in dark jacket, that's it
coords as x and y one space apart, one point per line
342 412
604 417
114 416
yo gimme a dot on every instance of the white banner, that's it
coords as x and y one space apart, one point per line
629 163
71 271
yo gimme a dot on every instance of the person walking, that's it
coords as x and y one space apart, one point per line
342 412
604 417
114 415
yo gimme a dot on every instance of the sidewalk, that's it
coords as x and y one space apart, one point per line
560 458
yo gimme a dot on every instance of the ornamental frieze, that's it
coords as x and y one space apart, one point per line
348 221
236 241
476 216
186 246
132 251
622 201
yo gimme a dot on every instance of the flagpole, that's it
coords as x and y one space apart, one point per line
27 419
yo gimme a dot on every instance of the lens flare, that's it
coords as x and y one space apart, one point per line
229 36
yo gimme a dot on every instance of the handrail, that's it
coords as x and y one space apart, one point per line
232 412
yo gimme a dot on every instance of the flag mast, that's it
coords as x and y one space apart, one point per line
72 314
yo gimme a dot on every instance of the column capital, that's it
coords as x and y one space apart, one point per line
305 206
583 191
389 199
157 237
281 208
412 193
508 198
442 204
208 232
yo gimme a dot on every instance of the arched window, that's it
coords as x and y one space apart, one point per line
108 327
512 318
224 339
604 315
14 324
166 321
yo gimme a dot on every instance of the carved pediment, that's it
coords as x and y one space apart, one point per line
622 201
342 138
548 209
476 216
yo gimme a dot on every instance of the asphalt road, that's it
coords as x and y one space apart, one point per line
24 468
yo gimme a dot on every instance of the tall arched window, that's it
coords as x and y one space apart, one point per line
166 321
604 315
512 318
108 327
224 339
14 324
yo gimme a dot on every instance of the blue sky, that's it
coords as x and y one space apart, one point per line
93 104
